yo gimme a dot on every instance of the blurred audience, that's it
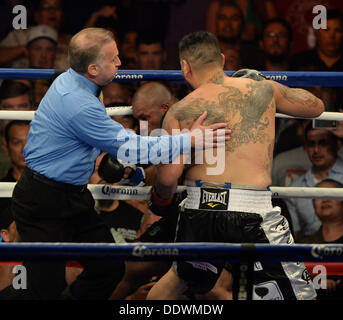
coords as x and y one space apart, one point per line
276 44
16 133
322 148
229 27
127 49
232 59
13 47
106 12
291 163
39 88
117 92
14 95
327 55
330 213
41 47
8 233
254 13
150 52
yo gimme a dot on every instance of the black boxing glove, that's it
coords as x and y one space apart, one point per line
112 170
165 207
249 73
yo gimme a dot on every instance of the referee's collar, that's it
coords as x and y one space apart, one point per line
93 87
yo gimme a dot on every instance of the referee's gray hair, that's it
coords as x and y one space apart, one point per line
82 54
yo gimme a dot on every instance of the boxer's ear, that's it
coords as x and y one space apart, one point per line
186 68
223 60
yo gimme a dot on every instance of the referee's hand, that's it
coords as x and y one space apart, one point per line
212 136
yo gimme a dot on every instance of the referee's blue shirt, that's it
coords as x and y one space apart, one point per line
71 128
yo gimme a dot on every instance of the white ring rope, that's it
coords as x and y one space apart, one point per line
332 116
108 192
124 110
143 193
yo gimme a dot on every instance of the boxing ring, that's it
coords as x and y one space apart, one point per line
328 255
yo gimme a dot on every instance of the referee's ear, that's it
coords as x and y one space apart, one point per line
93 70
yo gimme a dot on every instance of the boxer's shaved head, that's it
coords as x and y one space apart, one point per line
150 103
85 47
154 92
200 48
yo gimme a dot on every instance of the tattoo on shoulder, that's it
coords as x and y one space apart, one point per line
248 110
243 111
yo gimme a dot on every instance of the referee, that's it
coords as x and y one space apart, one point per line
51 202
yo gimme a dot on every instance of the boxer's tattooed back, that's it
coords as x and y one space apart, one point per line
244 111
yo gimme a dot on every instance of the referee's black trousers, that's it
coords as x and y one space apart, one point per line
49 211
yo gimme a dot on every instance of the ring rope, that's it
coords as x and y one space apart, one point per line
127 110
290 78
232 252
109 192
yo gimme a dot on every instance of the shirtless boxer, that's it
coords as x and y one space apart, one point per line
233 206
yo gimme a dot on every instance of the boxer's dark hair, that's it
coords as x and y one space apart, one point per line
81 56
200 48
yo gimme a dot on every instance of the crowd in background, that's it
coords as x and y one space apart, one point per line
252 34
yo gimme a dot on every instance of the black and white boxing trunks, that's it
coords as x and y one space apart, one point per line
226 214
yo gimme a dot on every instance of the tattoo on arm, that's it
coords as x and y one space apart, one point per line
299 96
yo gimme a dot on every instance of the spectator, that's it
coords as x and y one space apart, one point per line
13 96
117 92
232 59
330 213
128 45
15 138
276 43
8 227
289 164
122 219
229 27
8 233
151 54
327 55
254 12
106 12
40 87
41 47
16 133
12 48
322 147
